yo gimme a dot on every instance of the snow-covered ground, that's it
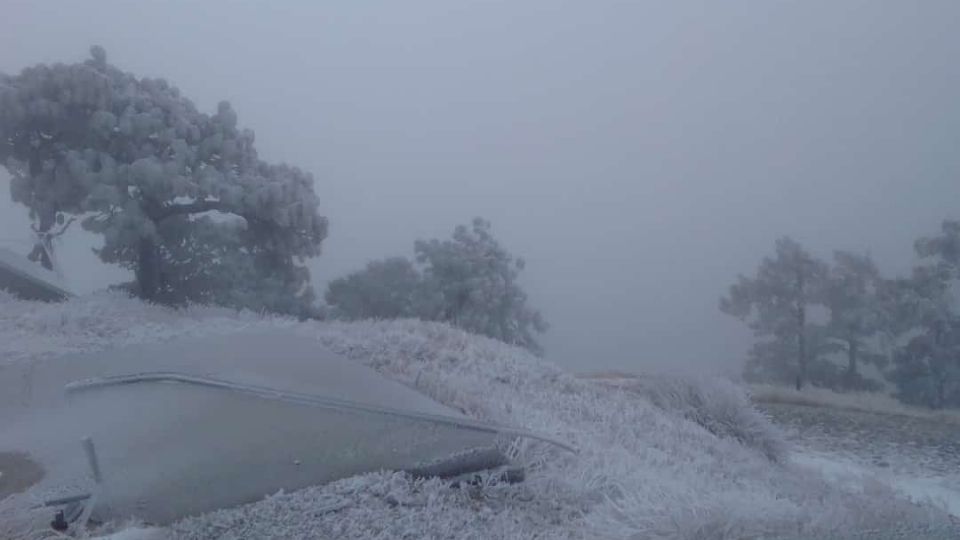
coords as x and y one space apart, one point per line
941 491
915 451
666 458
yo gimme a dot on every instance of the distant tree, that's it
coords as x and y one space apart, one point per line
943 249
145 169
775 304
921 309
926 371
851 294
472 283
385 289
469 281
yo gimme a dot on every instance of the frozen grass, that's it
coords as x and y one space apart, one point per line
675 460
718 405
875 402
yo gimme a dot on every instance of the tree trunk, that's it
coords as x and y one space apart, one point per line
940 382
941 393
851 364
148 269
39 254
46 214
454 311
801 330
801 346
48 217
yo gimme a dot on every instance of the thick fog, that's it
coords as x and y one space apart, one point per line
638 155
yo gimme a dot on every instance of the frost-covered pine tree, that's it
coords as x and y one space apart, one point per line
851 294
925 364
471 282
141 164
922 312
775 303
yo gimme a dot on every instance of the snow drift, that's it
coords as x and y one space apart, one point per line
693 461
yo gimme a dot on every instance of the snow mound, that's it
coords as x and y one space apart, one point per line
689 460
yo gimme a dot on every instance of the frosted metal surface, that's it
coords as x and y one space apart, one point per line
169 450
176 450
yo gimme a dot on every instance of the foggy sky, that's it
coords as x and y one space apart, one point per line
638 155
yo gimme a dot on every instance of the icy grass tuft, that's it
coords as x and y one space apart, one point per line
718 405
672 459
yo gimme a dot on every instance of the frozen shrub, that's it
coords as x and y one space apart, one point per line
718 405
